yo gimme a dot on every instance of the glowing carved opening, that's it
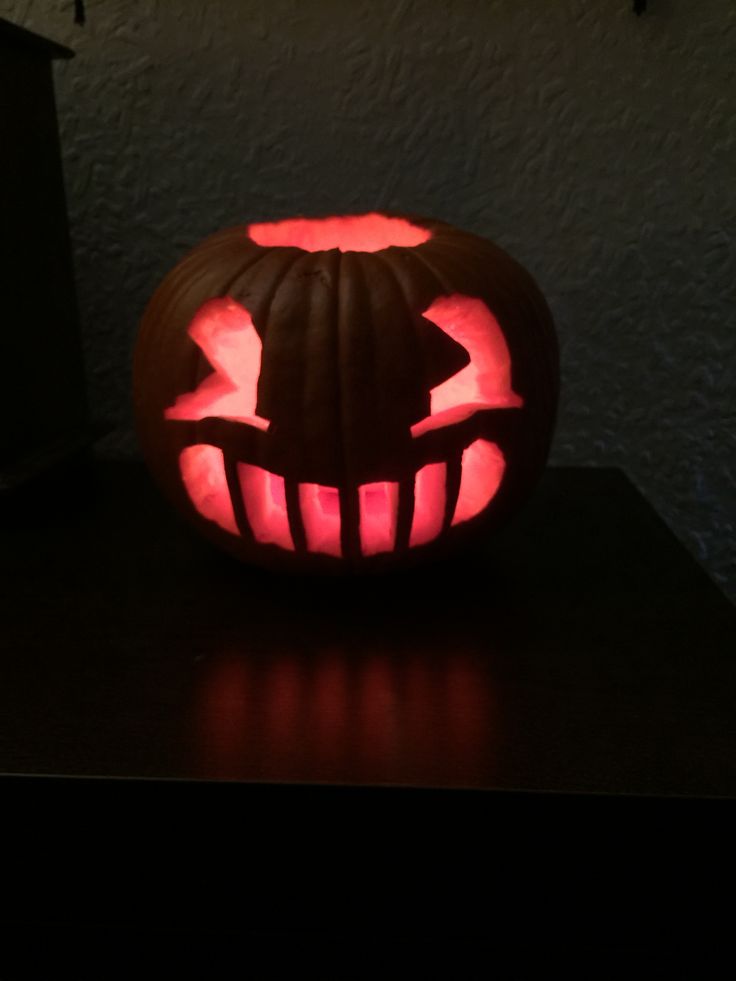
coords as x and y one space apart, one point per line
379 505
429 503
483 467
348 233
224 330
203 474
320 507
264 498
484 383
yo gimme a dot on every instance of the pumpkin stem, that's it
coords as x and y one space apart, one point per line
79 16
639 7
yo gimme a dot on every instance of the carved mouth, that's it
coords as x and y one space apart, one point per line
248 501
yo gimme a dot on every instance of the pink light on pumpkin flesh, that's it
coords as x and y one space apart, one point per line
348 233
320 509
379 507
224 330
429 503
483 466
484 383
203 474
264 498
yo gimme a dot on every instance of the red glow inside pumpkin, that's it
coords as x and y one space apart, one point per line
348 233
320 507
429 503
484 383
203 474
224 330
264 499
379 507
482 470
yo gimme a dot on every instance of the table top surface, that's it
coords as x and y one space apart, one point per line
580 650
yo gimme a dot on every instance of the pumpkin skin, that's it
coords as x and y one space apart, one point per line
346 393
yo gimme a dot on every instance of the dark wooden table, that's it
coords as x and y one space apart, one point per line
517 722
581 651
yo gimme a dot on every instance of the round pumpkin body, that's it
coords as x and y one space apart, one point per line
346 393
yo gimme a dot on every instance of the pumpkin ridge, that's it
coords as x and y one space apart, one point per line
319 337
249 264
466 253
279 274
279 355
373 320
524 301
431 266
412 315
202 253
349 270
198 259
538 326
419 298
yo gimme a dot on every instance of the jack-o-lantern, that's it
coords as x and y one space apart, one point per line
346 392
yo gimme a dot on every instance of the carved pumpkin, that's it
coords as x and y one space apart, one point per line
345 392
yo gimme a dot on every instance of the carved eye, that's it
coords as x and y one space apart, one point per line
485 382
224 331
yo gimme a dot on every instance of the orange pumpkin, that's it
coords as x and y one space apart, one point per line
346 392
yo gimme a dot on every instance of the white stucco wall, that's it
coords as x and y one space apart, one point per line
595 146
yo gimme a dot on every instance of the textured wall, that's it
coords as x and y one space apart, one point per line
597 147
